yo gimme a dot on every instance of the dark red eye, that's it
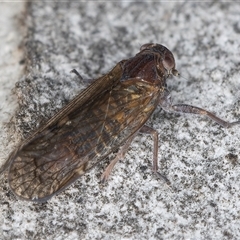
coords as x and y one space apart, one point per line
168 61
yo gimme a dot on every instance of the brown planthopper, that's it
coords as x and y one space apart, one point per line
104 117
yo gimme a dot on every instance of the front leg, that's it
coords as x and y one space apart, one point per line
166 103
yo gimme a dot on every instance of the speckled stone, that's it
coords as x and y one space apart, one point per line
199 158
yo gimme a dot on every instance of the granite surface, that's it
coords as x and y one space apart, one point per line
42 42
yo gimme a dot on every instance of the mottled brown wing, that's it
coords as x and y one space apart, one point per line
79 137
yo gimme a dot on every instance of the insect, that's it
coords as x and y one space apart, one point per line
103 118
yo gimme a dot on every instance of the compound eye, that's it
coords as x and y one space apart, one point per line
168 61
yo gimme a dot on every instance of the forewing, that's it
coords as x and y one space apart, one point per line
77 139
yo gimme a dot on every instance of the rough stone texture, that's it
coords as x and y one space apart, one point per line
198 157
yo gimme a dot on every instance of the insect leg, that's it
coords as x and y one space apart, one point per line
166 103
77 73
183 108
85 81
120 155
148 130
